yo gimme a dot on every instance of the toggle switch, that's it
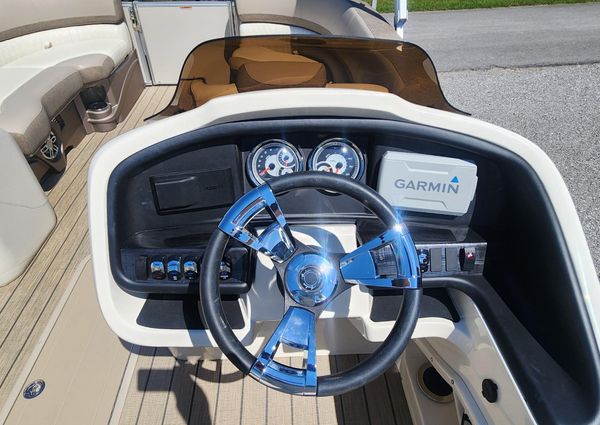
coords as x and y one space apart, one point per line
157 268
225 269
190 268
174 268
423 255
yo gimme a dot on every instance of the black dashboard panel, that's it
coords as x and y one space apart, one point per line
172 195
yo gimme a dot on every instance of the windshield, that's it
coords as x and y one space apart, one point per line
242 64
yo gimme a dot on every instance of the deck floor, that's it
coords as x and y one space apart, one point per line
27 303
165 391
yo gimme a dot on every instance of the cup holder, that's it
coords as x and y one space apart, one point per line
99 109
433 385
98 106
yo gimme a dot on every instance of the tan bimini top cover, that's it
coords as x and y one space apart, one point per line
241 64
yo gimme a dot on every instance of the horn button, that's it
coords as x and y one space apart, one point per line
310 279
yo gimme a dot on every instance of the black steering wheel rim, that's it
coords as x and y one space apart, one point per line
366 371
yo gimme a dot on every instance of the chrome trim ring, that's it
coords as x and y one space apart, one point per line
360 169
251 160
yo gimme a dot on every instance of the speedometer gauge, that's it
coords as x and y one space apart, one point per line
273 158
339 156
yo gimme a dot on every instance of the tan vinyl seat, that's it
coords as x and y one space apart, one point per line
272 75
260 68
358 86
203 92
260 54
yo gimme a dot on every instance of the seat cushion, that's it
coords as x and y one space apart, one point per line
67 43
116 50
204 92
251 54
25 112
13 78
358 86
94 67
272 75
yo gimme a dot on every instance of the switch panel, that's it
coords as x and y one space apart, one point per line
456 258
173 271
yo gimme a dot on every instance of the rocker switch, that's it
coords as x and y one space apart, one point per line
435 259
141 267
452 264
467 259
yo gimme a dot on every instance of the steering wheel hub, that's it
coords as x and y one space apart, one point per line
310 279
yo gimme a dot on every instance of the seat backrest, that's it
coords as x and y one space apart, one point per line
20 17
34 25
337 17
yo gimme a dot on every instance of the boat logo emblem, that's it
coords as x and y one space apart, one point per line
34 389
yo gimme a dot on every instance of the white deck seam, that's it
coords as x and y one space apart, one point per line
115 415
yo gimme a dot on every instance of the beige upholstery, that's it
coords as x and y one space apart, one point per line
25 112
340 17
358 86
42 72
21 17
270 75
203 92
253 67
94 67
27 216
214 71
248 54
262 28
53 46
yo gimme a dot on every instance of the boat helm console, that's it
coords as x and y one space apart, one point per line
295 205
232 222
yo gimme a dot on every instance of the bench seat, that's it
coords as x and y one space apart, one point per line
41 73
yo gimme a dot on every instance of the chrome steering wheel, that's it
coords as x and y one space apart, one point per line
312 279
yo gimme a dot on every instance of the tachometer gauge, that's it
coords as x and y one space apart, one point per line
339 156
273 158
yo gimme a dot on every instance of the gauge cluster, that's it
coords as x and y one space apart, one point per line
276 157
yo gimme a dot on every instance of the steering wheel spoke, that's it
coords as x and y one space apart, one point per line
388 261
276 241
297 330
